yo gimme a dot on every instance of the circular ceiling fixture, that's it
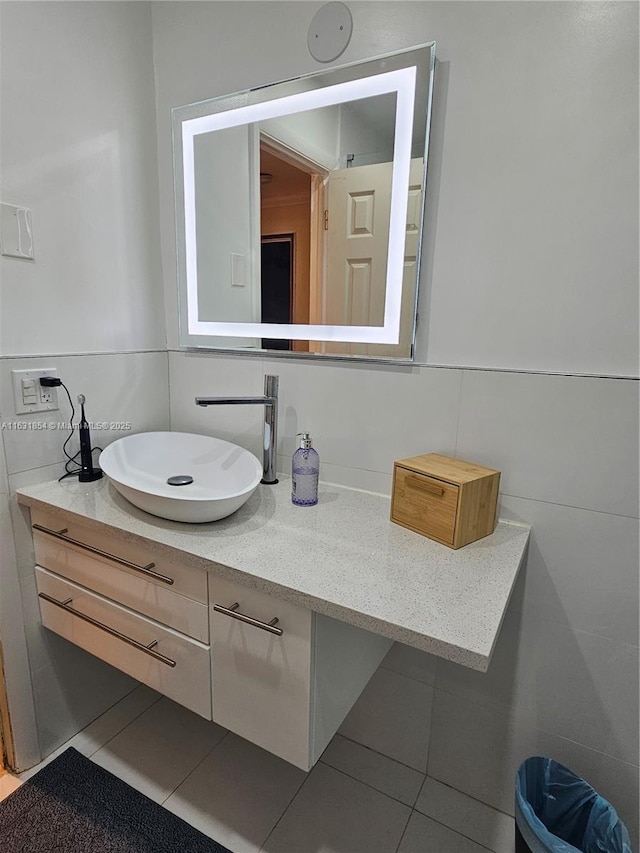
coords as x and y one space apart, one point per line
330 32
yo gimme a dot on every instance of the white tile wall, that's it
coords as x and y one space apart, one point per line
194 375
477 749
122 387
411 662
563 439
393 716
70 688
16 660
566 662
361 417
574 550
79 151
71 692
567 446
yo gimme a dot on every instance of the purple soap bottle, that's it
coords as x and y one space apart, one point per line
305 471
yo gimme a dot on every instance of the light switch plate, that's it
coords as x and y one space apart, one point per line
46 399
16 234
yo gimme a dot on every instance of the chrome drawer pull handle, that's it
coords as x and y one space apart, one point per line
148 649
146 570
233 612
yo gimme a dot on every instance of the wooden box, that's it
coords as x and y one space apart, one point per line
446 499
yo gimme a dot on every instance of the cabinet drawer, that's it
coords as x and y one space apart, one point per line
166 573
169 662
122 585
424 504
261 680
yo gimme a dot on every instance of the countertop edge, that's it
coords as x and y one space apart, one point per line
473 658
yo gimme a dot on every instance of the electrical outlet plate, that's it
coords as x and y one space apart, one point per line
46 399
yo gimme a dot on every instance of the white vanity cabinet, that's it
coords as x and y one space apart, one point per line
284 677
279 675
272 621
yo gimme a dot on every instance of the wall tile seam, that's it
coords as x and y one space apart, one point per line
412 677
402 365
513 716
26 470
565 506
31 643
459 415
517 710
37 468
531 610
606 755
81 354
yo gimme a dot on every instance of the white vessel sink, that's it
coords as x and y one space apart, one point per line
141 466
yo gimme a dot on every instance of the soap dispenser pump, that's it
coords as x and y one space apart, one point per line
305 471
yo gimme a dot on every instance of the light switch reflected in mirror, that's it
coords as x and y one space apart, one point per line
299 211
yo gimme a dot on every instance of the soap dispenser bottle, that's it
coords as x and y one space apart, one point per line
305 470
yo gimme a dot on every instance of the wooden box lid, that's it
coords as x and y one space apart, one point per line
447 468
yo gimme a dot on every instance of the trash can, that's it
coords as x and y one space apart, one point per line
558 812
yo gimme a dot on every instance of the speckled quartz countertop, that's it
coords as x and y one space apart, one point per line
342 558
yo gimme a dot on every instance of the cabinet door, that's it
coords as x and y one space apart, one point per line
261 680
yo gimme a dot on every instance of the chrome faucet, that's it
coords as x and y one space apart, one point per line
270 433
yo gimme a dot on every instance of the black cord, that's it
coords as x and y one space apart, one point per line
70 436
71 460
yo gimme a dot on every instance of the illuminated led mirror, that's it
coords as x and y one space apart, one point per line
299 211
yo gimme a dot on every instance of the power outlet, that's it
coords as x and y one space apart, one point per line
29 395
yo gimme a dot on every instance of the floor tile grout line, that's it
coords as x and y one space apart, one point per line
286 809
193 769
469 796
426 776
67 744
126 725
451 829
404 831
365 746
368 785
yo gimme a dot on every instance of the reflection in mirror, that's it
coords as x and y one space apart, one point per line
299 211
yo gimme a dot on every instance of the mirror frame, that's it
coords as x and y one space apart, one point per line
256 104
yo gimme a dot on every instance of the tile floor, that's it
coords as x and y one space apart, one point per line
354 800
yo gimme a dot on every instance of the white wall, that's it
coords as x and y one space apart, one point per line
531 265
531 209
78 148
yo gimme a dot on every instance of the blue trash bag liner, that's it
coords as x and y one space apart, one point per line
558 812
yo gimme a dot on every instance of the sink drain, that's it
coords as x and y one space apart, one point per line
180 480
